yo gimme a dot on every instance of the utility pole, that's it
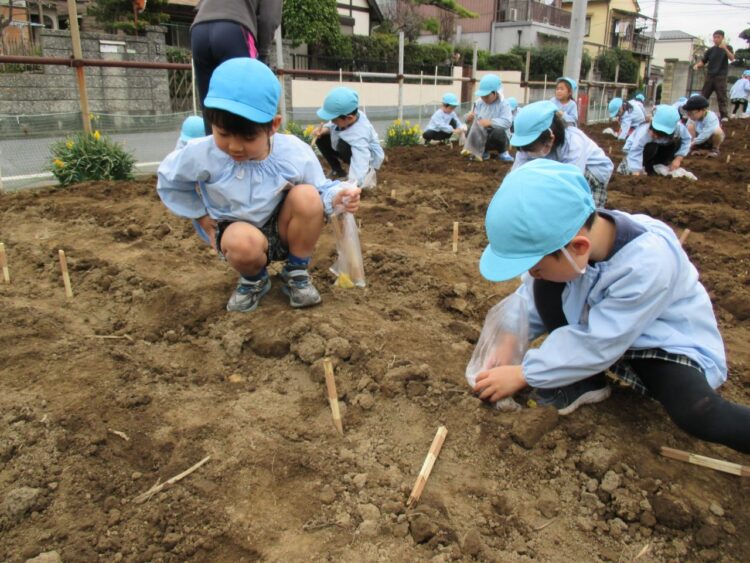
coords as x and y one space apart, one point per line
651 54
575 43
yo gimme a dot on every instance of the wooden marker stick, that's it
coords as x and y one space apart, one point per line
729 157
455 237
684 236
4 263
393 193
703 461
429 462
66 277
333 398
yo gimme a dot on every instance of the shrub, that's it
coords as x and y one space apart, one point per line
606 64
90 156
403 134
302 133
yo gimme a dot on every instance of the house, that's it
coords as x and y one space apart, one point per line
674 44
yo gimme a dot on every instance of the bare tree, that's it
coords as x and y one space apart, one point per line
447 25
404 17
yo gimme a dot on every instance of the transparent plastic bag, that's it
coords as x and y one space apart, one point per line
503 341
348 267
370 180
663 170
476 139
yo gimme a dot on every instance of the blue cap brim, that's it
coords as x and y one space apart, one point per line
522 140
485 92
323 114
237 108
494 268
663 129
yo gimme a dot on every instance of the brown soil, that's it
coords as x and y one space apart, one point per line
146 348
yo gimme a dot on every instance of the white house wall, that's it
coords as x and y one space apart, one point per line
680 50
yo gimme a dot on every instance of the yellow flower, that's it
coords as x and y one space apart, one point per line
391 133
309 130
97 135
59 163
397 122
69 144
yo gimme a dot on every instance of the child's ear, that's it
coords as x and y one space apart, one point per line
275 124
580 245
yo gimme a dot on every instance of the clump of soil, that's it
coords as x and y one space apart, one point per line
146 351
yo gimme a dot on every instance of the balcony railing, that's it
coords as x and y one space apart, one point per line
638 44
530 11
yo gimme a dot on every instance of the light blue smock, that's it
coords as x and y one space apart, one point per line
640 138
498 112
569 110
441 121
705 127
647 295
246 191
366 150
740 89
630 118
578 150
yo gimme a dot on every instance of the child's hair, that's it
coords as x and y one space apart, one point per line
588 224
355 112
719 32
556 128
236 124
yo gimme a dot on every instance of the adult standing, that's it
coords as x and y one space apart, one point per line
717 60
226 29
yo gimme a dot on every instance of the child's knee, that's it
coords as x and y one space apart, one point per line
304 199
243 244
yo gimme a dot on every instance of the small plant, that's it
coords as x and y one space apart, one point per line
303 133
90 156
403 134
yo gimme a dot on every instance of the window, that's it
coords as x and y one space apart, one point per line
587 29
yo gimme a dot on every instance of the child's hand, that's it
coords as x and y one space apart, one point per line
209 226
348 199
500 382
469 117
675 164
318 131
485 122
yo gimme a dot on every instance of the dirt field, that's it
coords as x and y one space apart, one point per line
143 373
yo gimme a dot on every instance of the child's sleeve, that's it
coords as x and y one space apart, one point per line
312 173
634 153
708 127
635 298
685 140
625 121
460 124
360 163
503 117
177 175
572 113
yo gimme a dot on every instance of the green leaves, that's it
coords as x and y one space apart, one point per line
90 156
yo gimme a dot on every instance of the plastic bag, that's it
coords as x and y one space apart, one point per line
505 333
610 131
476 139
348 267
663 170
370 180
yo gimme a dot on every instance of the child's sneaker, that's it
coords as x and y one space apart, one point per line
567 399
298 286
247 295
505 157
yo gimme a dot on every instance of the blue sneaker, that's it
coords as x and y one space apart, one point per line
248 294
567 399
505 157
299 288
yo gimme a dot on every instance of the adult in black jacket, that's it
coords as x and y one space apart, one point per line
716 59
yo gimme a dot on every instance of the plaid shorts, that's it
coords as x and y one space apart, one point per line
598 188
623 168
624 374
276 249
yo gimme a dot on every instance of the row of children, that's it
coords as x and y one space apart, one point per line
612 290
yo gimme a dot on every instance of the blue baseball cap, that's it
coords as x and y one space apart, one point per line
682 100
192 128
665 119
450 99
640 97
614 107
339 101
571 82
531 121
538 209
244 87
746 72
512 102
489 83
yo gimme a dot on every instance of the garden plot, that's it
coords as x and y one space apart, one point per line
143 374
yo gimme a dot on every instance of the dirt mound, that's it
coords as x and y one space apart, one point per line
143 373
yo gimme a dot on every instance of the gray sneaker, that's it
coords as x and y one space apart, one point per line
247 295
298 286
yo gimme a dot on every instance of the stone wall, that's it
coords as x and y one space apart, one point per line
110 90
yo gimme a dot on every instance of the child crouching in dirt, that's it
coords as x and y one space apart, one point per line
263 195
444 123
613 291
704 127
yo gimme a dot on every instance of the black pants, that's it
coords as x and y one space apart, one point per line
717 83
497 140
655 153
212 43
433 135
682 390
739 102
334 156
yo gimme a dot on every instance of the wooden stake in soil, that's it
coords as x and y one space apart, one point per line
333 397
393 193
4 263
729 157
429 462
703 461
455 237
66 277
683 237
158 487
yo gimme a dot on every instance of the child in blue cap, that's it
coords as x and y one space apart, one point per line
663 141
263 196
540 131
628 114
494 114
564 99
612 291
444 123
739 94
348 136
193 127
678 106
704 127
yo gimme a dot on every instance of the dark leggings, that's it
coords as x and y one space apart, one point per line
212 43
682 390
738 104
334 156
497 140
434 135
655 153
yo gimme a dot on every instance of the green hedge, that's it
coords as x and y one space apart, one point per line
606 64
